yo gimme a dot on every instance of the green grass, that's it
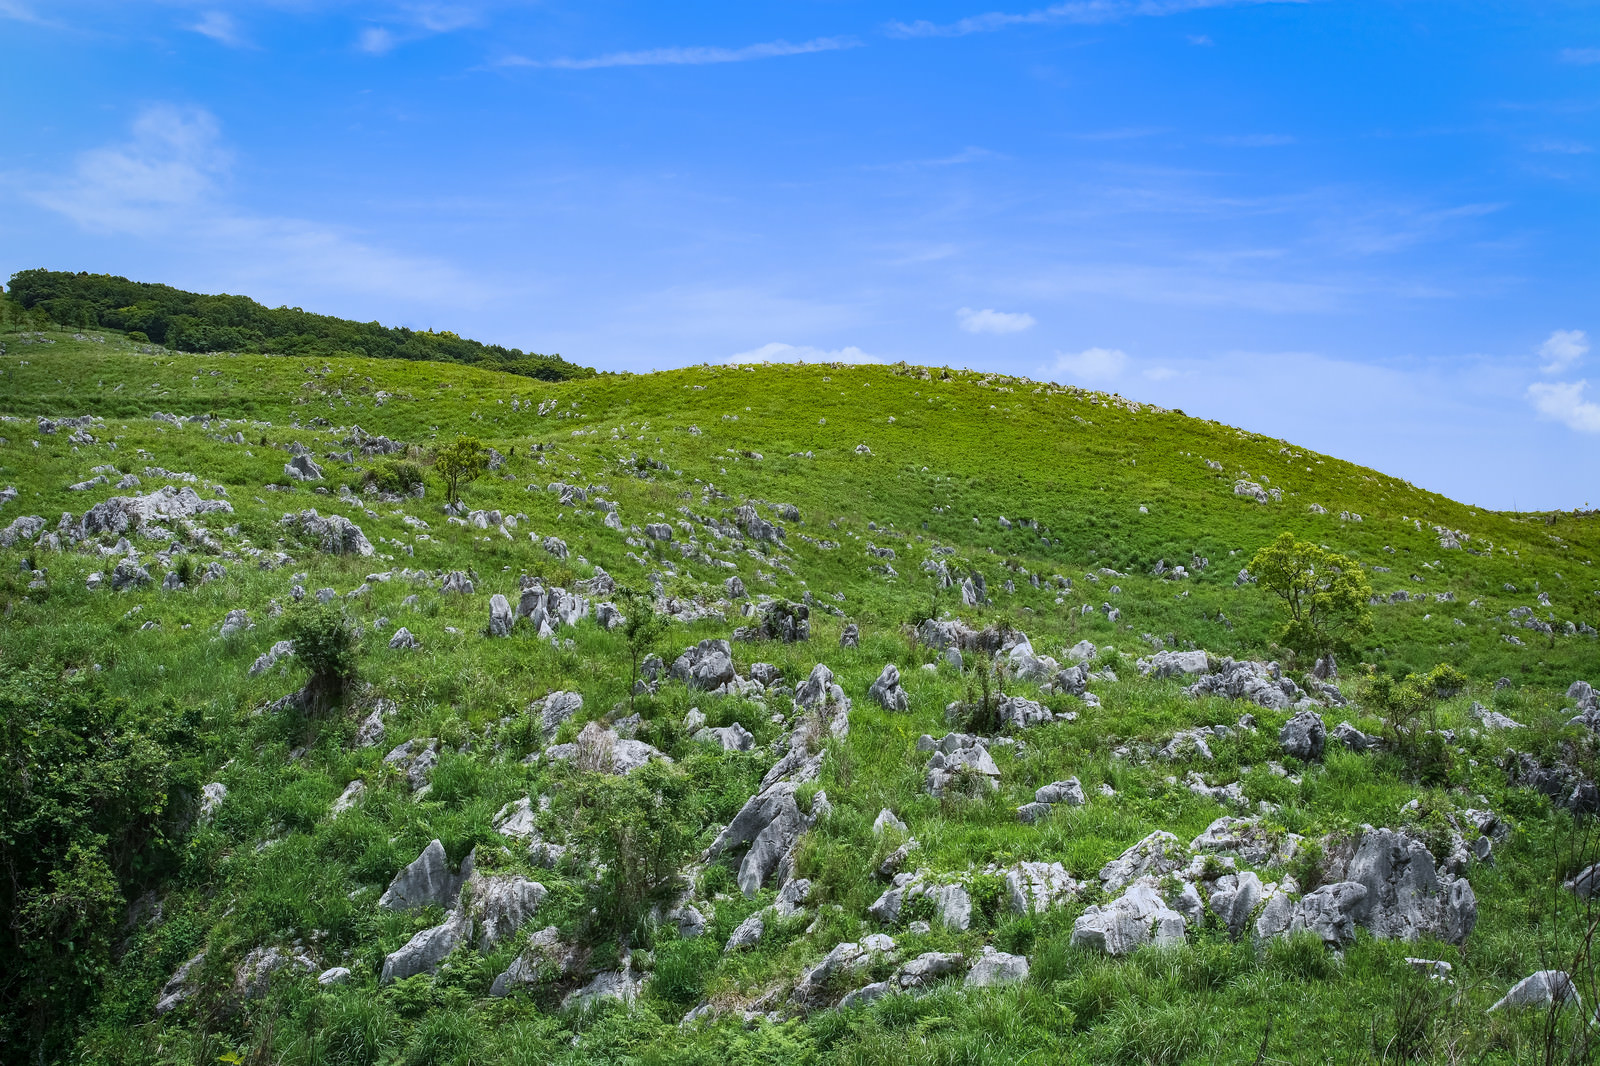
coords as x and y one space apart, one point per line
959 447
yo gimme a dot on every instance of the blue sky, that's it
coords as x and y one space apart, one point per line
1370 227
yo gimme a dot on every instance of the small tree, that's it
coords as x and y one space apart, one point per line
641 628
325 643
1324 593
460 462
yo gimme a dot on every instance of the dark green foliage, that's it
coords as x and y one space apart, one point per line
637 826
191 322
90 793
459 463
397 476
1410 710
326 645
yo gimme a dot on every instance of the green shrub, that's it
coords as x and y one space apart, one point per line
326 644
397 476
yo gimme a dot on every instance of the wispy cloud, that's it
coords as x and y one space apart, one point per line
413 22
1584 56
1078 11
166 184
220 27
1098 366
691 56
1563 402
18 11
1556 147
966 155
997 322
1563 348
1200 40
1255 140
801 353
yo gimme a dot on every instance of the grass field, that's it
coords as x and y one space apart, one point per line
997 476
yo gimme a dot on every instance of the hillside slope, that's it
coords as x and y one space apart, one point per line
744 876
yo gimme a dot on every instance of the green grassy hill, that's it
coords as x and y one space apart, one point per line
124 707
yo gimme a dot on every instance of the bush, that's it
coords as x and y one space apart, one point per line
397 476
326 644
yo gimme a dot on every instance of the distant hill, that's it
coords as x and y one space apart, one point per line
196 322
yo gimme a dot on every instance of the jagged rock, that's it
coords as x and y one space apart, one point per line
1069 792
1354 739
302 468
336 975
1330 912
952 904
887 820
1186 741
928 968
543 957
997 968
815 984
178 988
1260 683
733 588
887 691
1541 989
404 641
707 666
424 952
426 881
691 923
237 621
1018 712
970 761
128 574
268 659
1173 663
620 985
731 738
770 822
1158 854
172 582
1563 784
850 636
1136 918
1586 883
253 976
501 904
22 529
457 581
747 935
416 758
1304 736
818 688
782 621
121 514
1493 719
372 729
1234 897
211 797
1035 887
1405 896
1248 839
352 794
516 820
1251 490
334 534
555 709
500 616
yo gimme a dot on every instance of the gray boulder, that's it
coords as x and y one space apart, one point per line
850 637
129 574
887 691
1035 887
334 534
302 468
770 822
1541 989
428 880
424 952
747 935
555 709
500 616
1330 912
1136 918
1354 739
1304 736
501 904
1156 855
997 968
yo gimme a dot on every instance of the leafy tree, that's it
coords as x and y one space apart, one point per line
637 828
91 794
641 628
460 462
325 643
1324 593
1410 711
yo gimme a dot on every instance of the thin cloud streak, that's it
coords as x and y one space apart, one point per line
691 56
220 27
1082 12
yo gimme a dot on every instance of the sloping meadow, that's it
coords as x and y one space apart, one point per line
1054 537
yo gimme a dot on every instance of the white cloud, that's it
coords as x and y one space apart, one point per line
801 353
1580 55
692 56
1563 402
1563 348
1201 40
376 41
999 322
1076 11
1159 373
220 27
1096 365
166 184
1256 140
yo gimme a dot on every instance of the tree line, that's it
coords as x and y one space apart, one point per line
195 322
